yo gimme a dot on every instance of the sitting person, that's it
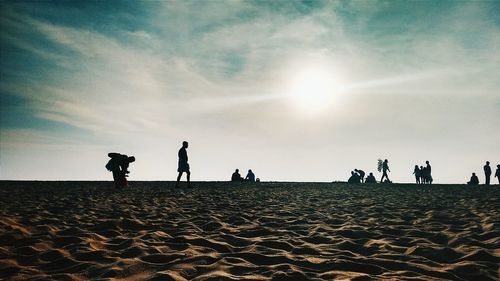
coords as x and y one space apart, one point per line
474 180
250 176
370 179
354 178
236 176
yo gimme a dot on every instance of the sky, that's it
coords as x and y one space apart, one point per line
294 90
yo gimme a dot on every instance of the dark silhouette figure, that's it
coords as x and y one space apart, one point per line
422 174
416 172
385 169
361 174
236 176
250 176
428 174
497 173
183 164
487 173
370 179
473 180
118 164
354 178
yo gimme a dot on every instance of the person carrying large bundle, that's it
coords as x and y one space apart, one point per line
383 166
118 164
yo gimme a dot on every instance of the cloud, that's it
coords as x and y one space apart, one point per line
219 76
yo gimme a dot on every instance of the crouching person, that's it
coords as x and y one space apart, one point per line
118 164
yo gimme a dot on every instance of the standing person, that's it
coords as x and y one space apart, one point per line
422 174
385 169
183 164
428 172
416 172
361 174
118 164
487 172
497 173
250 176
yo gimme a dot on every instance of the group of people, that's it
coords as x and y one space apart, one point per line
423 174
358 176
250 176
119 163
474 180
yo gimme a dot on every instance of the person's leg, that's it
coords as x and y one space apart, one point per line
124 182
178 179
116 179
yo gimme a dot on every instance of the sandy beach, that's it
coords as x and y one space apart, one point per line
241 231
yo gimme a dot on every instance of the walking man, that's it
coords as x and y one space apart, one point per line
487 172
385 169
183 164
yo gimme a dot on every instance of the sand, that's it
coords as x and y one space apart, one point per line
225 231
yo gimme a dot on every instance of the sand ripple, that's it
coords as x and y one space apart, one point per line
271 231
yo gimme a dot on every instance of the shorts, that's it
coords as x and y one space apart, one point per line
183 167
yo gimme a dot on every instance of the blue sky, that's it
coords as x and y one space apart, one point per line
405 80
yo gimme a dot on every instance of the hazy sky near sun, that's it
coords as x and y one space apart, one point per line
295 90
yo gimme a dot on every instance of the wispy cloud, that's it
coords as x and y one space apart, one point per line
199 71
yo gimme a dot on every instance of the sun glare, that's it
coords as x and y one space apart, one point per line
313 87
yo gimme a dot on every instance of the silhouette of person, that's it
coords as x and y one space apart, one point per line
422 174
385 169
118 164
416 172
487 172
183 164
497 173
361 174
354 178
236 176
474 180
428 172
250 176
370 179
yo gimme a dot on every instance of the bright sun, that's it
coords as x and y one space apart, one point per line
313 87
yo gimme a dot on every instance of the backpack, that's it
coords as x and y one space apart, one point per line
110 165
